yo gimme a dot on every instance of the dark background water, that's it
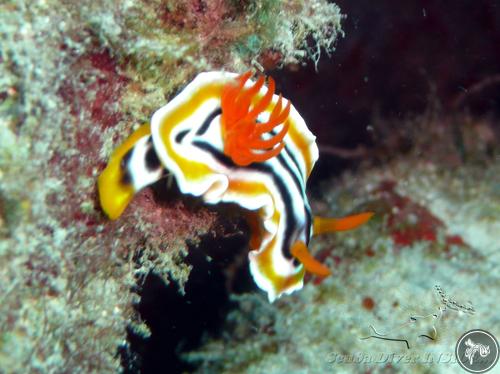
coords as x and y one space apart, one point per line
398 57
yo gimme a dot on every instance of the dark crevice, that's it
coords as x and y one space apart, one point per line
178 322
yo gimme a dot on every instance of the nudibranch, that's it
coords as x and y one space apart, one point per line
230 138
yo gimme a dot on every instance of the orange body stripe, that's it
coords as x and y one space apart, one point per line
264 258
192 170
251 189
279 282
247 188
300 142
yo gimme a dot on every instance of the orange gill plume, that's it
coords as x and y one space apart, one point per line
241 131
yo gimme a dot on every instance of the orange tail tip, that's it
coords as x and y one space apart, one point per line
322 225
242 134
300 252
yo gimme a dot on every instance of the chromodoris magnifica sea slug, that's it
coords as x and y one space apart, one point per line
228 138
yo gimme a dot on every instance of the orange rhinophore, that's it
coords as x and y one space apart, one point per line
300 252
322 225
241 129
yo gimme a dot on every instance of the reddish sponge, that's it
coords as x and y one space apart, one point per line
409 222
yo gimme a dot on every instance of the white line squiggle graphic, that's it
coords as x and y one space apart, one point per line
484 350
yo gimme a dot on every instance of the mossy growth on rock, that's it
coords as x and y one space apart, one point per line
75 78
